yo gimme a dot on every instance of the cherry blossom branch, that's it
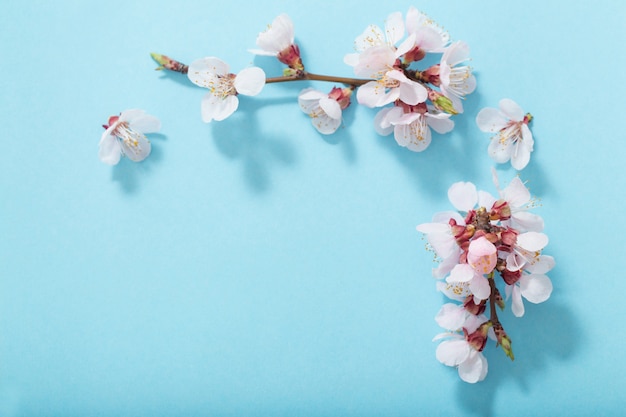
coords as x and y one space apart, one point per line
167 63
304 75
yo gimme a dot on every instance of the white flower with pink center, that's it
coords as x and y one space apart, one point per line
457 350
482 258
324 109
456 79
513 140
221 101
125 136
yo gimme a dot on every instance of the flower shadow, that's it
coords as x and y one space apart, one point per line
128 173
547 331
176 77
241 138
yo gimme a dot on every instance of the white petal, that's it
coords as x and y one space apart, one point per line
536 288
311 94
371 36
444 269
325 125
517 305
369 94
515 262
412 93
456 53
461 273
526 221
532 241
217 108
463 196
516 193
250 81
139 121
440 125
445 216
279 35
451 316
511 110
406 45
527 137
433 228
110 150
520 156
331 108
375 62
443 244
500 151
394 28
479 286
137 151
491 120
542 264
456 291
485 199
351 59
203 71
452 352
381 121
474 368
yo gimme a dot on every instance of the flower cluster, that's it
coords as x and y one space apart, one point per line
421 99
490 249
486 239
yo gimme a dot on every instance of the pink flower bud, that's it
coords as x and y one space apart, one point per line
482 255
478 339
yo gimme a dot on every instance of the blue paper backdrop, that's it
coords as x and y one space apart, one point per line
254 267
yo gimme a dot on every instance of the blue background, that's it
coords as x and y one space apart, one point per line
254 267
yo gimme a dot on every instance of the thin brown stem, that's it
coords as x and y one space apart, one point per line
492 300
304 76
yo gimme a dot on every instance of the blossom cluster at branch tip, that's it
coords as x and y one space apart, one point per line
488 244
124 135
421 99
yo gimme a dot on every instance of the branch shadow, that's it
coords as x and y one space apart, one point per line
241 138
128 174
547 331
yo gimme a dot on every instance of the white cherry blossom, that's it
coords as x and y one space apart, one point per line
457 80
429 35
513 140
535 288
278 37
412 129
221 101
324 109
456 351
125 136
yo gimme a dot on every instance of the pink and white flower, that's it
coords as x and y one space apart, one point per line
377 57
278 41
519 200
535 287
513 140
429 35
411 124
125 136
389 84
221 101
463 350
456 80
482 257
325 109
424 34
